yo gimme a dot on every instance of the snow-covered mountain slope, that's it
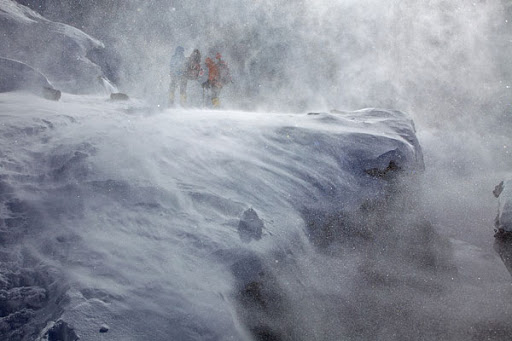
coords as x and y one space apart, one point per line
166 225
57 50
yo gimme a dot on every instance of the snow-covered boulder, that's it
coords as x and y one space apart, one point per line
57 50
15 75
503 221
194 224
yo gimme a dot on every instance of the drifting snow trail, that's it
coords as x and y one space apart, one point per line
214 225
103 229
134 218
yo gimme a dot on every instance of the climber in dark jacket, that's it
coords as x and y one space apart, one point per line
177 66
192 71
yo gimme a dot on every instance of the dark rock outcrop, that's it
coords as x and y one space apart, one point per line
119 96
250 226
61 331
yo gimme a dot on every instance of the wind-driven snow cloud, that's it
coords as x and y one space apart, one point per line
436 59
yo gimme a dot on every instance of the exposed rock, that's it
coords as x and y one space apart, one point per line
250 226
119 96
500 233
384 173
104 328
60 331
498 189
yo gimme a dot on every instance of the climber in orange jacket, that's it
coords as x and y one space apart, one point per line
218 76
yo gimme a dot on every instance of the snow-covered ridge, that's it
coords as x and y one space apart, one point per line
13 11
118 201
57 50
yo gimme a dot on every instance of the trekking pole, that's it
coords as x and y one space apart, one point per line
203 98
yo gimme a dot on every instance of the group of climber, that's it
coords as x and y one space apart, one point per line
183 69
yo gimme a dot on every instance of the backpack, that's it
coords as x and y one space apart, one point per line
193 70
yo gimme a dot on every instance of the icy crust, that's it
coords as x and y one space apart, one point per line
503 221
55 49
162 225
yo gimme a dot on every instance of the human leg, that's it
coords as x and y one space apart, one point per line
215 95
172 90
183 91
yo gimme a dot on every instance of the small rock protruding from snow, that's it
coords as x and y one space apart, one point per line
383 173
104 328
498 189
250 226
119 96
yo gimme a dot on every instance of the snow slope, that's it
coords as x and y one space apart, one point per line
216 225
119 221
57 50
142 220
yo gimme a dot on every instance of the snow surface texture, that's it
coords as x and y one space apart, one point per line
57 50
503 220
152 222
121 222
